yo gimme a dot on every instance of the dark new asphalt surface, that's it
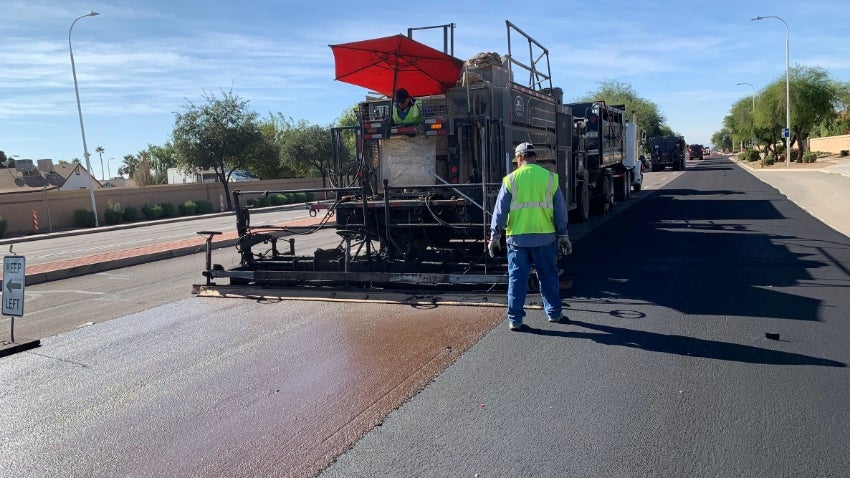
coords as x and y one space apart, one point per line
667 369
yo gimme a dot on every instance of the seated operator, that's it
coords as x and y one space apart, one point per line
407 110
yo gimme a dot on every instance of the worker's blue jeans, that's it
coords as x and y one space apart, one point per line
544 259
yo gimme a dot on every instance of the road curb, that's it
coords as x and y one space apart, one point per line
9 348
108 265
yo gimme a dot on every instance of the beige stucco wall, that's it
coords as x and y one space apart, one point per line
830 144
57 207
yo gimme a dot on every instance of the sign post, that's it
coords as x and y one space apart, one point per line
14 273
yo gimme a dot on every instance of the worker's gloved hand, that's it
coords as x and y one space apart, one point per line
565 247
494 245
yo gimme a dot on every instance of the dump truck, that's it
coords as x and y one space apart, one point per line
667 151
412 207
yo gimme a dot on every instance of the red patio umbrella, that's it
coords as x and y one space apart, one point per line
388 63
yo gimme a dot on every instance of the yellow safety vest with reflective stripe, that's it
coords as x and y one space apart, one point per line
532 209
414 114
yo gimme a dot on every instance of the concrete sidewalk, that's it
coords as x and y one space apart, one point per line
125 257
822 190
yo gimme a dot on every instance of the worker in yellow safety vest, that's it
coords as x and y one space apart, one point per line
532 212
407 109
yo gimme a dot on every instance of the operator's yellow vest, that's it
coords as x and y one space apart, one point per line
414 114
532 191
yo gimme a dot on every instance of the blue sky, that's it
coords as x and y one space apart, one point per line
139 62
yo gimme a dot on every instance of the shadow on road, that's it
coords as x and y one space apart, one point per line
681 345
742 250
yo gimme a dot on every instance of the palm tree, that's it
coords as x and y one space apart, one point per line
99 150
131 164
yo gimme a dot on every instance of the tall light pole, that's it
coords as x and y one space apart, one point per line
754 109
787 92
80 111
109 171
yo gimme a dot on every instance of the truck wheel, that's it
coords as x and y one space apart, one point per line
620 186
582 211
606 197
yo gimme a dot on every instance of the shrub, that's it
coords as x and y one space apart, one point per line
152 211
167 209
845 152
84 218
203 207
130 214
299 197
278 199
259 201
810 157
768 161
2 226
114 212
749 155
188 208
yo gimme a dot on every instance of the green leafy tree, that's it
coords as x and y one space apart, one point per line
346 149
813 94
161 158
304 149
221 134
819 106
741 124
649 119
722 140
3 160
308 149
268 163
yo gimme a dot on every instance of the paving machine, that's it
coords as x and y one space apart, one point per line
414 209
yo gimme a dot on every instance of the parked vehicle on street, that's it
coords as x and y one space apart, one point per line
695 151
667 151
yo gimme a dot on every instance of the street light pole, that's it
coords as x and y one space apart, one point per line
754 109
109 171
80 112
787 91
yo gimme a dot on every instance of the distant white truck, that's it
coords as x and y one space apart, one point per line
181 176
631 159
